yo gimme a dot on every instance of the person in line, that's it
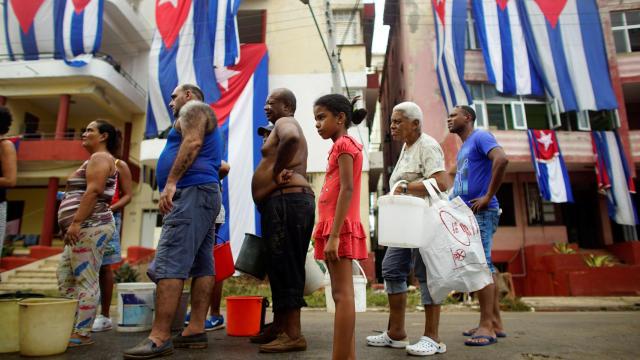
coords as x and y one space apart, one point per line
480 169
8 168
287 207
339 235
215 320
421 158
188 179
112 253
87 225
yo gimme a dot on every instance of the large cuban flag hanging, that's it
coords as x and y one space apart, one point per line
450 21
82 30
223 25
614 177
504 48
567 45
181 53
240 113
31 28
551 172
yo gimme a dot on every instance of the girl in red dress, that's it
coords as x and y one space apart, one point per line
339 235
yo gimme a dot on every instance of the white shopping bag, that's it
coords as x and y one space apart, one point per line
453 256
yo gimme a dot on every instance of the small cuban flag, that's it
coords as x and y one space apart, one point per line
551 172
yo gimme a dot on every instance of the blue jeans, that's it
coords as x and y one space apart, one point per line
112 252
397 265
186 242
488 223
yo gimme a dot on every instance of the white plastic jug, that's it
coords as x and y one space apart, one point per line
400 220
136 306
359 290
314 277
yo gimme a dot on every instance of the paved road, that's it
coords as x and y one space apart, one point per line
574 335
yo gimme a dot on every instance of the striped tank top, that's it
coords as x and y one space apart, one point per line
76 187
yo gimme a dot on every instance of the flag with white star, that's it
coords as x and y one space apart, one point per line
551 171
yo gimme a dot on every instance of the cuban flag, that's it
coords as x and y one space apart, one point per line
32 28
240 113
450 43
567 45
504 48
223 26
81 30
551 172
181 52
614 177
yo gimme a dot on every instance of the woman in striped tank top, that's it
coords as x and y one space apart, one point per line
87 225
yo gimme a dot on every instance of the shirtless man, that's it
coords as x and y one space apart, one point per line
287 207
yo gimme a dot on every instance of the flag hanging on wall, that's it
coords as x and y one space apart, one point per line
450 42
31 28
567 46
551 172
223 26
240 112
81 30
181 53
504 48
614 177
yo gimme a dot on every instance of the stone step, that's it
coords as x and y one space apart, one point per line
35 272
27 275
11 287
28 281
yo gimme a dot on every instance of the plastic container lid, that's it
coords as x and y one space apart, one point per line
136 286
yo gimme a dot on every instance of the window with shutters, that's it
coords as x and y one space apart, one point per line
348 27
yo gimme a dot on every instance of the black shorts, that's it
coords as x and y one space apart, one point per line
287 222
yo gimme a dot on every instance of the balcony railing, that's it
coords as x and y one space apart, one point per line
99 56
575 145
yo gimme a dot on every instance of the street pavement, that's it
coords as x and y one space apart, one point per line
531 335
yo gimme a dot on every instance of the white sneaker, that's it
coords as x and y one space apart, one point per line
425 347
384 340
101 323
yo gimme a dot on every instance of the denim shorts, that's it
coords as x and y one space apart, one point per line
287 222
397 265
488 223
112 252
186 242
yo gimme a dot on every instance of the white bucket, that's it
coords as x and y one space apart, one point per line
400 220
136 305
314 277
359 290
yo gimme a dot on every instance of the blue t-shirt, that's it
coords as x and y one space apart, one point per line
474 168
203 170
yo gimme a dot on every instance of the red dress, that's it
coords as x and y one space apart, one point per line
353 239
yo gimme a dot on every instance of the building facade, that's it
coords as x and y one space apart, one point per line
51 102
527 221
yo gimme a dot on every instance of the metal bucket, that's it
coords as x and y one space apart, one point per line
251 259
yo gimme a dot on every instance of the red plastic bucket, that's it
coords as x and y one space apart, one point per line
243 315
223 261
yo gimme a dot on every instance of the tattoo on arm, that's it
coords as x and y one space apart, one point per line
194 119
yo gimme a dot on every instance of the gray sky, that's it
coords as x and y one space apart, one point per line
380 32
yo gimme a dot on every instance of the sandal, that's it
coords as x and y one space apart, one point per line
75 342
490 340
470 332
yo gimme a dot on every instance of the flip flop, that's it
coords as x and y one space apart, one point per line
470 332
490 340
74 342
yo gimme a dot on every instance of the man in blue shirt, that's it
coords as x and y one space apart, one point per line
480 169
188 179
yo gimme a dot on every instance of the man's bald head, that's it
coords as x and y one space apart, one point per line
287 97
